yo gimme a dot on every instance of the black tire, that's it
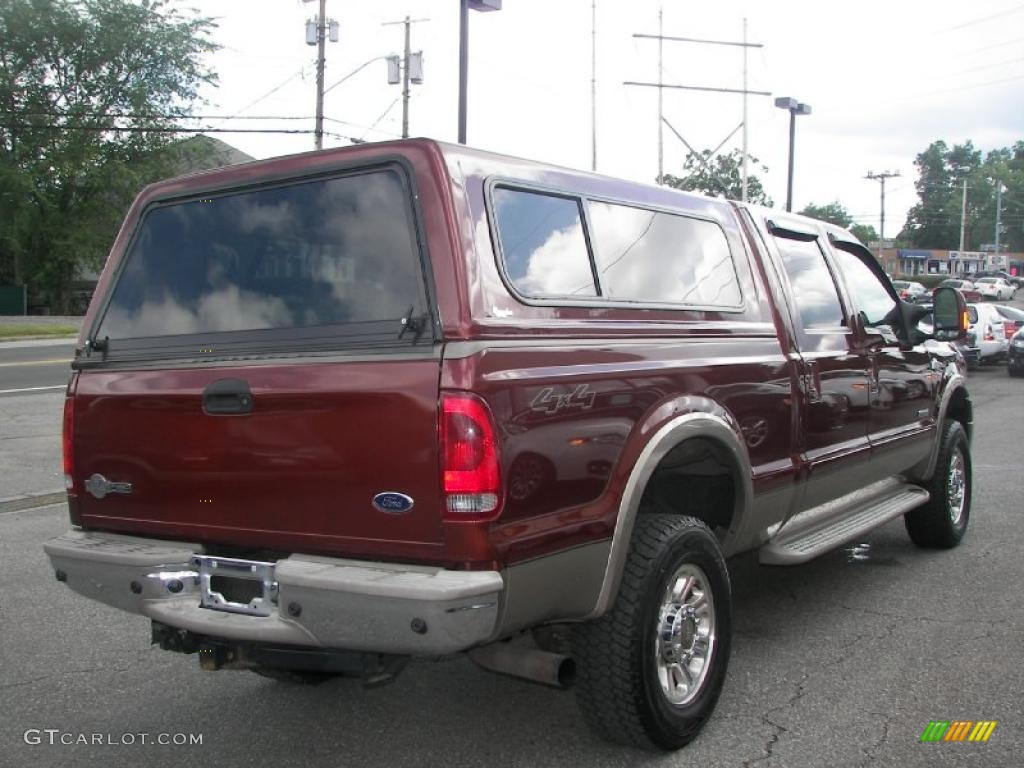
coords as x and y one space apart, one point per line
618 687
1015 372
936 525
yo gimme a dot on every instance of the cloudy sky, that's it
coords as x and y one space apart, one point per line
884 79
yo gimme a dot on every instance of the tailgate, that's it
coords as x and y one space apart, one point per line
263 371
321 442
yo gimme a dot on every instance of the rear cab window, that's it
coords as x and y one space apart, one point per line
323 262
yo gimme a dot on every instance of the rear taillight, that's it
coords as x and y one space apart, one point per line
989 336
68 445
470 479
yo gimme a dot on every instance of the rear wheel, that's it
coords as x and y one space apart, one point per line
651 669
942 522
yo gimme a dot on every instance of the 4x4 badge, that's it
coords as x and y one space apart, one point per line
99 486
549 402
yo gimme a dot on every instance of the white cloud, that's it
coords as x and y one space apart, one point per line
884 80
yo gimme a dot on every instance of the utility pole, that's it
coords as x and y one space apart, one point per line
412 66
316 34
593 85
321 43
405 83
880 178
999 211
661 90
743 196
661 85
963 216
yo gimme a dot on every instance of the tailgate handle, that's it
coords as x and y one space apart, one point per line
227 397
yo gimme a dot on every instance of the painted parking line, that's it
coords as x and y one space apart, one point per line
35 501
62 360
31 389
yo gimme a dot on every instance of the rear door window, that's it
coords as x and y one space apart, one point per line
814 291
328 252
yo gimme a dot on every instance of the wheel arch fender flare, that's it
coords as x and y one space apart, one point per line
954 390
707 425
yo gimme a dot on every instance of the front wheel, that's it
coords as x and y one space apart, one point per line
651 669
942 522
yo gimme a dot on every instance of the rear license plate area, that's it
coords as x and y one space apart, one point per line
236 586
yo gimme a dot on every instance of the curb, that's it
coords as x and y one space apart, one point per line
33 501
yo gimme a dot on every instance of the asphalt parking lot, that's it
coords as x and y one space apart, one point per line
841 662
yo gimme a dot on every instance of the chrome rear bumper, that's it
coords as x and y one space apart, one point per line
317 602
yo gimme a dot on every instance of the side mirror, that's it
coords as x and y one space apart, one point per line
950 312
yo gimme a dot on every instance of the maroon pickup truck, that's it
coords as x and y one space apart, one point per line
335 411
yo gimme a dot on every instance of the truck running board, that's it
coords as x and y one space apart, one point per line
821 529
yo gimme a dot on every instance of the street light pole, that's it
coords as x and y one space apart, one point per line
464 8
795 108
463 66
789 175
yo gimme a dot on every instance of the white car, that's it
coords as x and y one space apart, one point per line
911 291
989 329
994 288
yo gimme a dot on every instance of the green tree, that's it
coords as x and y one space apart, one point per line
1005 167
833 213
864 232
89 92
720 175
836 213
934 222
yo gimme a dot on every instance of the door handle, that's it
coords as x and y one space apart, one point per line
227 397
812 382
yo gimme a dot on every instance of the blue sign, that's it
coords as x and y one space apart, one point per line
911 253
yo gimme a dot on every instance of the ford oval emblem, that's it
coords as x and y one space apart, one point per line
393 503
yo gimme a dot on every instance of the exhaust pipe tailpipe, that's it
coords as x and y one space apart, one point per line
530 664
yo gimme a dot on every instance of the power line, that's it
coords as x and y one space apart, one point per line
144 116
273 90
987 48
985 18
139 129
382 116
359 125
986 66
972 85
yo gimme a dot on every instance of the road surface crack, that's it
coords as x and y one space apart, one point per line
777 728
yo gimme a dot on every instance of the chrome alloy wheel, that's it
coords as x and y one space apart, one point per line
956 487
685 637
